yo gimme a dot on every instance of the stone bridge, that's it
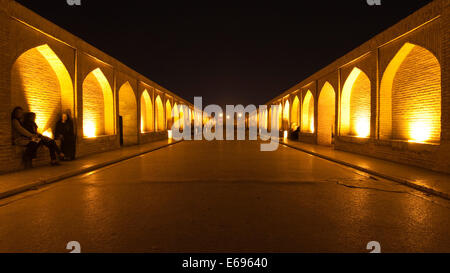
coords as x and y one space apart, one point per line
388 98
47 70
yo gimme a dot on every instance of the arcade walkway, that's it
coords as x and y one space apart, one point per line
224 196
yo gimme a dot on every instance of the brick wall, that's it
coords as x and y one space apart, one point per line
147 124
416 97
326 115
46 69
128 111
93 105
417 89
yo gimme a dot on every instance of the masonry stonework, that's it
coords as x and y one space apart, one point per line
46 69
410 123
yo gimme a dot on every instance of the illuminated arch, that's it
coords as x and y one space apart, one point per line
147 124
286 113
98 105
308 113
168 115
270 118
128 112
181 117
176 113
40 83
410 96
280 115
355 105
159 109
326 115
263 117
295 111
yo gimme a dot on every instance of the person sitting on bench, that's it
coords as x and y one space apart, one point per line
29 123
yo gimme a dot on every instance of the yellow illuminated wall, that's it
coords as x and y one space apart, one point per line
98 105
295 112
264 117
168 115
146 113
159 112
280 116
355 105
40 83
176 114
269 120
181 116
326 115
410 96
128 112
308 113
286 111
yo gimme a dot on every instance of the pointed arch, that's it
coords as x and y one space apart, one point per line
286 114
128 112
280 116
181 117
308 113
147 124
295 112
176 114
98 105
413 73
326 115
159 113
355 105
270 118
40 83
169 115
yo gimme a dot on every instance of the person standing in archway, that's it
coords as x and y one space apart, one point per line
64 132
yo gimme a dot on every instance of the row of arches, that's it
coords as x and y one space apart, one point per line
409 102
41 83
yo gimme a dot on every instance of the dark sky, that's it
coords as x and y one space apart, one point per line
228 52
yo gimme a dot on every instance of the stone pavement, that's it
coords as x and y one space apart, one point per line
21 181
424 180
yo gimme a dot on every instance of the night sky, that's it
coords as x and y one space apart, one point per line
227 52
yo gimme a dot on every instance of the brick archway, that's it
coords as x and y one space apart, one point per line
326 115
40 83
410 96
98 105
355 105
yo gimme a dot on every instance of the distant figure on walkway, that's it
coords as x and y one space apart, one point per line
295 131
64 132
29 123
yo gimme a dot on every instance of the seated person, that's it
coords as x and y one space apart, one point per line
22 137
29 123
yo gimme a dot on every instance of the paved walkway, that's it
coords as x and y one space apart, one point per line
421 179
17 182
224 197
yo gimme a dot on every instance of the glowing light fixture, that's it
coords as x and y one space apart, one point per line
363 127
89 129
285 134
419 132
48 133
169 134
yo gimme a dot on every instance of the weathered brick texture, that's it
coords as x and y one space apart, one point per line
409 116
46 69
